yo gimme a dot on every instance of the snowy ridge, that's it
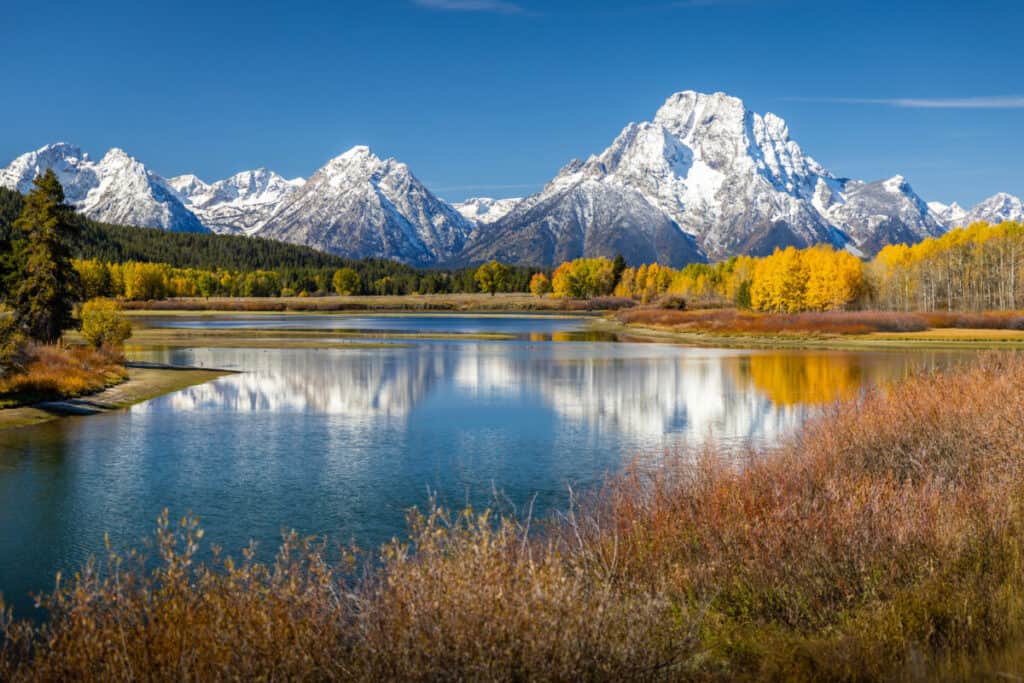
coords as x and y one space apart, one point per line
117 189
485 209
949 215
732 180
358 205
239 204
705 179
996 209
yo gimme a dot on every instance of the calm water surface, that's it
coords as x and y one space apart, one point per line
342 441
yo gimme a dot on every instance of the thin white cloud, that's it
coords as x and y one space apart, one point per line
995 102
493 6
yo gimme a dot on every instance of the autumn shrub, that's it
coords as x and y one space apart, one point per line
993 320
103 323
13 347
672 303
54 372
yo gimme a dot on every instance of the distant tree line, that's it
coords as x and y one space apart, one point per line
977 268
166 263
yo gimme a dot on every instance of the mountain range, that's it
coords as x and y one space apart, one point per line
705 179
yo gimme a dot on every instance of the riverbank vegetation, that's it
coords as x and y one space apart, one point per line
141 263
879 542
504 302
732 321
48 373
42 288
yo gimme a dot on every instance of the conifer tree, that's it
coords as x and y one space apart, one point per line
49 287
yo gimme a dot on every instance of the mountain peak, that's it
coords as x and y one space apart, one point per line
65 149
358 153
1003 197
357 205
689 110
117 189
897 183
998 208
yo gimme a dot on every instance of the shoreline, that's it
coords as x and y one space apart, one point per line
145 381
471 304
933 338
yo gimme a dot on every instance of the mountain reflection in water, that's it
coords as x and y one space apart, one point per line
661 394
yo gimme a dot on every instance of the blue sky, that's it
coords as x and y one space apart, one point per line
492 97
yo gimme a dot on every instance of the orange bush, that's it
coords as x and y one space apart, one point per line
54 372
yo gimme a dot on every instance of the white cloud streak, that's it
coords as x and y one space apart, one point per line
994 102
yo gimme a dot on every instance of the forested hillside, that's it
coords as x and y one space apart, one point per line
295 268
120 243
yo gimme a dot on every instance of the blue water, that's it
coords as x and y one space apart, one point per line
391 324
341 442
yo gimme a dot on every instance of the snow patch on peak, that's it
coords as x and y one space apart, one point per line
241 203
897 184
486 209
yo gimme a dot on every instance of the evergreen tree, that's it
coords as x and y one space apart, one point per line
49 286
618 266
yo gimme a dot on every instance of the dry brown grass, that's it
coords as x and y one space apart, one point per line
886 534
56 372
410 302
732 321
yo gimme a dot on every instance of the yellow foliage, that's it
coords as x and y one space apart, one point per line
974 268
540 284
796 379
583 278
815 279
103 324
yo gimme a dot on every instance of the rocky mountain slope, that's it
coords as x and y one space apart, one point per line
705 179
731 181
116 189
996 209
359 205
240 204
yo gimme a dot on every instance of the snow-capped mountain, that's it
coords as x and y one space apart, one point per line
586 218
996 209
705 179
486 209
359 205
240 204
116 189
731 181
949 215
873 215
